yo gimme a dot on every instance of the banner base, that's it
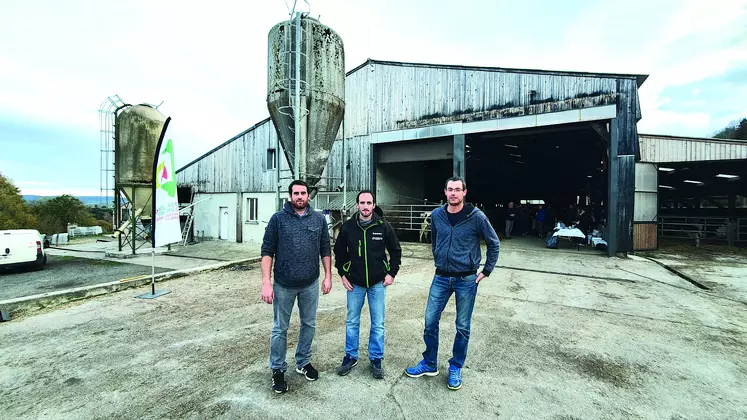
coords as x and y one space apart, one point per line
150 295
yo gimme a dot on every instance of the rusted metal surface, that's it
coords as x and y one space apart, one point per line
322 92
663 149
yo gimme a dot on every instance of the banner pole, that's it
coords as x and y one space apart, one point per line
153 273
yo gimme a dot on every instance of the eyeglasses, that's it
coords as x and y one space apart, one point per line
456 190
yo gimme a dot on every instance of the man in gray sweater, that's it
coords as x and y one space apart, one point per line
296 237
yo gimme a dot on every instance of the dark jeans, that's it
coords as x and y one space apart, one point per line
282 306
465 290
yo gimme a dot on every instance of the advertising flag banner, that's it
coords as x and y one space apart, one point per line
166 227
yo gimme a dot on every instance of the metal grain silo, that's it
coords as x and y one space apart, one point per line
137 130
320 78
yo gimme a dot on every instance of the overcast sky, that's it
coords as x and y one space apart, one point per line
207 61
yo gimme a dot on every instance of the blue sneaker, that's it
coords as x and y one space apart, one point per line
455 378
421 369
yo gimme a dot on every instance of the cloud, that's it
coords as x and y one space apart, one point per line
208 62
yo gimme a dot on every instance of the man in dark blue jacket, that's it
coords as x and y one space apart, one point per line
361 261
296 237
457 228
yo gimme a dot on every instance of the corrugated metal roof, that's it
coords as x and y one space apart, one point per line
337 202
663 149
640 78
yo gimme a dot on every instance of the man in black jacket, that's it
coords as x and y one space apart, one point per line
361 261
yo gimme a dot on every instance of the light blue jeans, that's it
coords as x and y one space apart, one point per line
282 306
376 305
442 288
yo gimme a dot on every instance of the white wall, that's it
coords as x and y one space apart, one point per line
646 205
254 231
207 217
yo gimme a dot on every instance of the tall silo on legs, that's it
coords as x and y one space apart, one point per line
306 93
136 133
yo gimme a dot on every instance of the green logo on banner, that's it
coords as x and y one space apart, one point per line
170 185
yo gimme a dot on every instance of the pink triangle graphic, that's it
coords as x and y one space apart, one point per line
165 175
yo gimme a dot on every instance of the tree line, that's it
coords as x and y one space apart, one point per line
735 131
48 216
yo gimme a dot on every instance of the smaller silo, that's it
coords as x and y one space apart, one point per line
137 130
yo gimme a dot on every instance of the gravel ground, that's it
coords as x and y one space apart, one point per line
622 339
65 272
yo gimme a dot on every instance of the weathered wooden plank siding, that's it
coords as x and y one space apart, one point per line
237 165
668 149
359 169
380 96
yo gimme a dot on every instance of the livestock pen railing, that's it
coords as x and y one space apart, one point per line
410 218
716 229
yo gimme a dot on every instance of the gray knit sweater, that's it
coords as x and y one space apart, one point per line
296 243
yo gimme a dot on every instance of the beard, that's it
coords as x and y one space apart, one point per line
456 201
299 204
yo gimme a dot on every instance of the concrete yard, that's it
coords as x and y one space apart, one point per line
64 272
556 334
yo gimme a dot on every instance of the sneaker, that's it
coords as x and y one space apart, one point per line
348 363
376 370
278 382
308 371
421 369
455 378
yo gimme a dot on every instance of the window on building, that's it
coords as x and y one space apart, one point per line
271 159
251 209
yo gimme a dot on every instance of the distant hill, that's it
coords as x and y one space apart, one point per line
94 200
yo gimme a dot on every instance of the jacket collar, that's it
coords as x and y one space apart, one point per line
468 206
375 219
288 208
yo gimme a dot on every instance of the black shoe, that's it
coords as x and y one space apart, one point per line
376 370
348 363
278 382
308 371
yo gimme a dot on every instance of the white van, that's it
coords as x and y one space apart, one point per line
21 247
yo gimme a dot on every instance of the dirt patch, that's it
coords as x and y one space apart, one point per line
615 372
704 252
515 288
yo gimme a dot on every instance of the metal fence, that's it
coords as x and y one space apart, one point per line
409 217
718 229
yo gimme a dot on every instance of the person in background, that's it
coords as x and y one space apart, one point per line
540 222
510 218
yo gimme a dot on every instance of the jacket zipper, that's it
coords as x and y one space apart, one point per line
365 252
451 237
359 245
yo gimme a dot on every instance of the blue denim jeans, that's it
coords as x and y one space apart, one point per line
465 290
282 306
376 304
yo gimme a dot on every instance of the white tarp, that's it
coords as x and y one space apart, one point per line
569 233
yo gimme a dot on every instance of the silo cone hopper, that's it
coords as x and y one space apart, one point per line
137 131
321 91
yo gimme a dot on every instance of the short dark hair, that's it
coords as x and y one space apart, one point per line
358 198
297 182
456 178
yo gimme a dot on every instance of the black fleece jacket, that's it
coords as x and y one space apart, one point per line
360 253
